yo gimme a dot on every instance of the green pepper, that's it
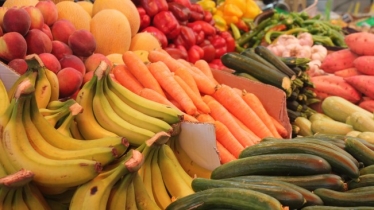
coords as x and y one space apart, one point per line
252 33
324 40
338 38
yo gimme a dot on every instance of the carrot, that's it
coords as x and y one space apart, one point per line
205 118
170 62
347 72
126 78
253 136
196 99
363 83
189 118
184 74
224 155
165 78
338 60
365 64
227 139
367 104
140 71
239 108
220 113
153 95
360 43
280 128
205 68
194 70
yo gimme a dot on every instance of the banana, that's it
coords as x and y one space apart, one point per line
18 200
43 89
34 199
48 172
8 200
4 100
53 80
118 194
50 134
57 104
56 118
95 193
147 174
74 131
142 198
132 115
107 118
86 121
27 75
103 155
64 197
65 125
174 182
160 193
130 197
148 107
192 169
3 193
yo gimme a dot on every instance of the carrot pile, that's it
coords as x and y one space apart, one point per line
239 117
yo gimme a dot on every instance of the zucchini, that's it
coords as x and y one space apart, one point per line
363 181
226 198
338 161
339 108
345 199
364 141
367 136
318 116
308 182
264 74
360 151
337 208
246 75
275 60
249 52
362 122
294 61
367 170
273 164
286 196
330 127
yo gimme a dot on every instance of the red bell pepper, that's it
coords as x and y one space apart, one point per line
208 29
176 53
158 34
217 64
209 50
195 53
153 7
197 12
186 3
181 12
230 41
186 37
145 20
208 17
219 44
166 22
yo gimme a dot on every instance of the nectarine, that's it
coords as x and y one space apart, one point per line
12 45
62 29
50 62
60 49
19 65
73 62
17 20
70 80
82 43
38 42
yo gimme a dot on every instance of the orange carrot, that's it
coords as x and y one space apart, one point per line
153 95
126 78
204 84
171 63
224 155
140 71
220 113
253 136
205 118
227 139
193 69
165 78
189 118
196 99
280 128
187 77
226 96
204 67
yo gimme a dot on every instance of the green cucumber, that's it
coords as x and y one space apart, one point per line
363 181
367 170
360 151
337 208
339 162
345 199
286 196
337 142
309 182
263 73
226 198
362 189
273 164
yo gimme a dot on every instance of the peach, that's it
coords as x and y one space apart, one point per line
82 43
2 13
88 76
70 80
12 45
60 49
73 62
38 42
62 29
50 62
17 20
49 10
19 65
37 19
47 30
93 61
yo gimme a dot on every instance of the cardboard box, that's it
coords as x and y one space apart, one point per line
7 75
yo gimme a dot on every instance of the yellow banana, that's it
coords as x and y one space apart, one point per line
3 193
56 118
43 89
4 100
64 197
118 194
148 107
34 199
17 179
57 104
48 172
18 200
160 193
142 198
8 200
130 197
86 121
147 174
48 190
174 182
27 75
53 80
132 115
74 131
107 118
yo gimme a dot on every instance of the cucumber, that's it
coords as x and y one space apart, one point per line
339 108
367 136
250 53
226 198
330 127
364 141
340 163
362 189
345 199
309 182
337 208
263 73
367 170
337 142
363 181
273 164
360 151
362 122
286 196
275 60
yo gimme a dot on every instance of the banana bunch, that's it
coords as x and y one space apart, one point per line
45 81
59 162
109 109
4 102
